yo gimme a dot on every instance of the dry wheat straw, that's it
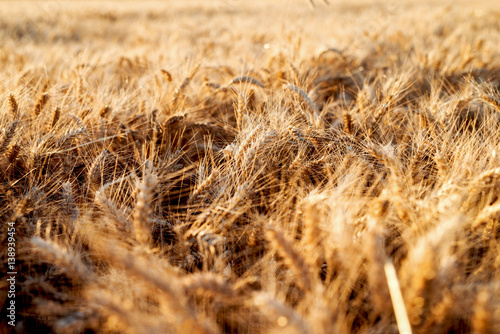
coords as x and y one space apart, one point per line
397 299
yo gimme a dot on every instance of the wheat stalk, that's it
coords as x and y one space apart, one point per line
397 299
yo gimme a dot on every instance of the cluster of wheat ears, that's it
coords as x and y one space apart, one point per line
353 188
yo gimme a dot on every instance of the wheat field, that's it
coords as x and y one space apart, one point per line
284 166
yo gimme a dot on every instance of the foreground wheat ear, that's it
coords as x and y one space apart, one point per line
201 167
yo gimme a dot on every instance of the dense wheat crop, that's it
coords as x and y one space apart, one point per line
250 167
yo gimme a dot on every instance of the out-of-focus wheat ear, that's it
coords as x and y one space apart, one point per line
245 79
143 208
13 152
119 307
40 103
295 74
7 137
487 178
375 254
63 257
437 65
397 298
312 240
482 322
399 199
490 212
69 205
21 209
14 107
166 75
492 100
424 120
297 162
142 107
292 258
208 283
56 114
279 314
79 89
167 284
442 164
104 112
348 123
95 172
481 189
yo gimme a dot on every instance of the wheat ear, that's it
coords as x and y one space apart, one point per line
96 170
14 107
245 79
492 100
55 117
143 209
40 103
180 89
348 123
292 258
7 138
62 256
